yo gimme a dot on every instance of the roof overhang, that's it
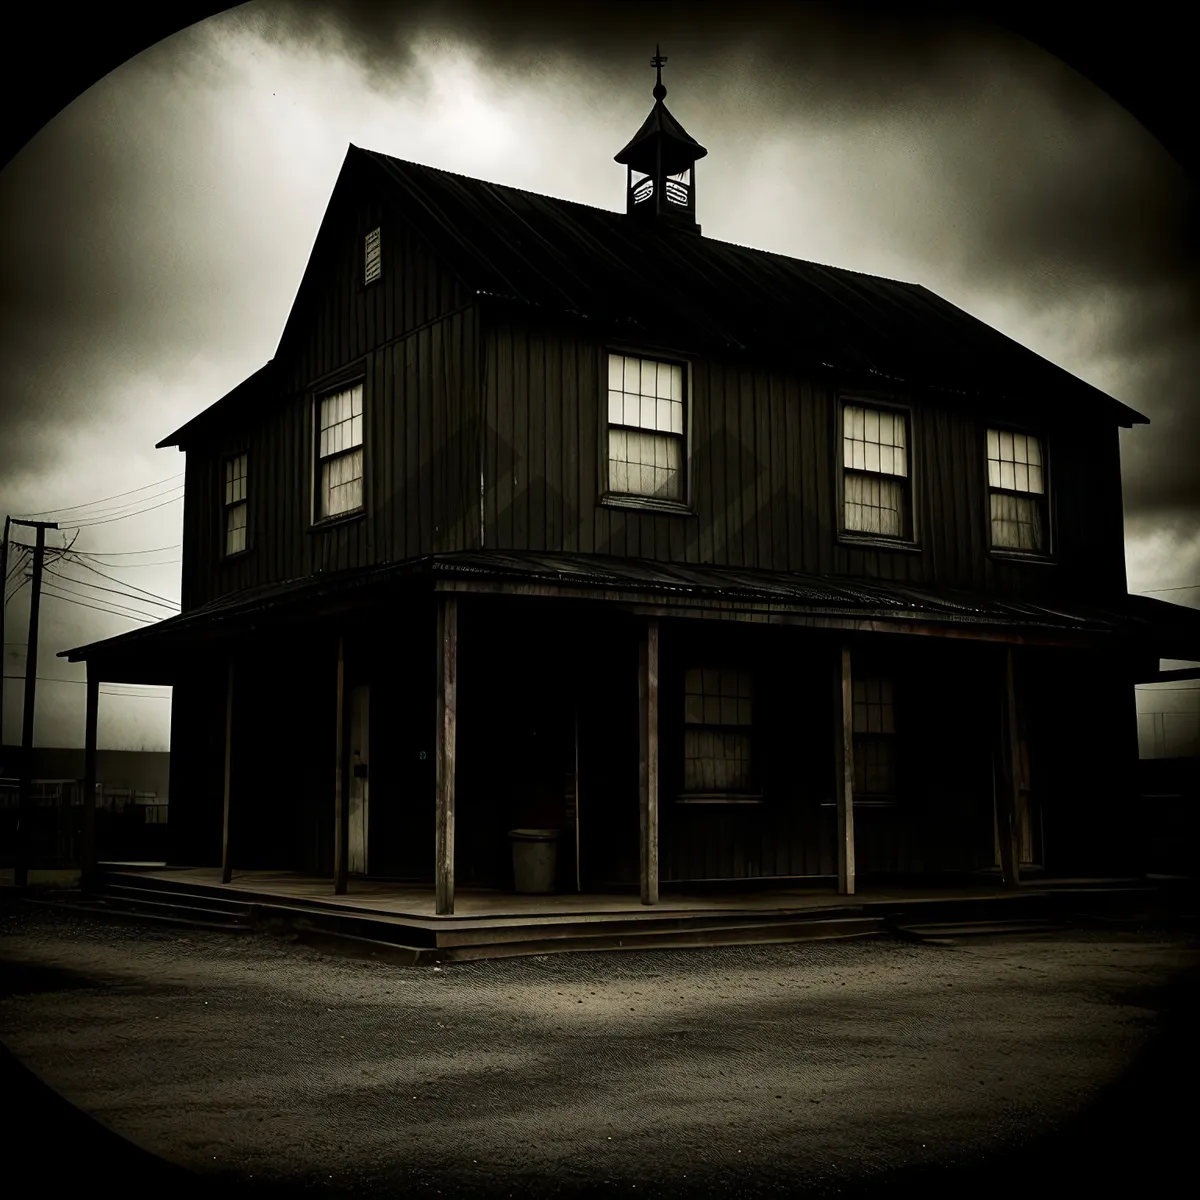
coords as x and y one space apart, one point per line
249 389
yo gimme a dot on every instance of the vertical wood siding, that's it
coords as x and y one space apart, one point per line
764 476
411 336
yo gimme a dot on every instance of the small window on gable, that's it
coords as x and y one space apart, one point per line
372 257
875 472
235 505
646 413
340 453
1017 491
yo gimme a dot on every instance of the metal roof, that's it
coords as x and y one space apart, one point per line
681 288
1135 617
561 255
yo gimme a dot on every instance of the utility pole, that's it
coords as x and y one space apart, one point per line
21 871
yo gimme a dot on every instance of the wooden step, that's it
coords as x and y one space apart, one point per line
105 911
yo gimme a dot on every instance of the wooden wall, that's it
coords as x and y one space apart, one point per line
763 464
411 338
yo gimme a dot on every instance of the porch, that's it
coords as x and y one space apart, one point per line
399 923
672 733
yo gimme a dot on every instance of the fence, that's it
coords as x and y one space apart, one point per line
131 825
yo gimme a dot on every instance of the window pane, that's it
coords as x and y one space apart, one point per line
646 464
1035 479
1016 522
235 529
874 504
341 484
717 761
864 432
616 372
1035 452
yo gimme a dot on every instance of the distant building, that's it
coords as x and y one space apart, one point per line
719 564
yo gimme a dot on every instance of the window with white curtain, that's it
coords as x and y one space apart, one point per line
236 504
1017 491
875 471
646 413
340 453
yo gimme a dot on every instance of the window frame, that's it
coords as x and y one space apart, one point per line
910 539
1015 553
629 500
363 281
865 799
753 796
319 393
228 506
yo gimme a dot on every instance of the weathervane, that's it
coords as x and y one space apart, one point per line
657 63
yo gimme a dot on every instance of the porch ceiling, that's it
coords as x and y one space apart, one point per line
1138 624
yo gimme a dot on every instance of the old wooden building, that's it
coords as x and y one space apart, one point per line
723 565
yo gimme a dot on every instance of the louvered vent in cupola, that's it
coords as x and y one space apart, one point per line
372 257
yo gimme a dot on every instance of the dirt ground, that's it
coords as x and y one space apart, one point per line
832 1068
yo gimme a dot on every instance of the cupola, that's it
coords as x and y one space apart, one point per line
661 160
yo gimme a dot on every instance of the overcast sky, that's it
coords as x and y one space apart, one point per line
152 237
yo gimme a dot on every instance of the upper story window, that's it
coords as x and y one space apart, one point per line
340 453
372 258
718 737
1017 491
235 505
876 495
646 442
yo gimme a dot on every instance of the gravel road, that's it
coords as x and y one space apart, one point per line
747 1071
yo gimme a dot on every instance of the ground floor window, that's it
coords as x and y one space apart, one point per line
874 738
718 756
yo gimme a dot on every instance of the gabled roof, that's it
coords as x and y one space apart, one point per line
682 289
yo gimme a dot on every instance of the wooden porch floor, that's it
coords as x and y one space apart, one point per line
479 907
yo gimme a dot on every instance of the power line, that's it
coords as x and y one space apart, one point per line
124 506
116 553
112 605
88 596
133 587
111 611
106 499
106 520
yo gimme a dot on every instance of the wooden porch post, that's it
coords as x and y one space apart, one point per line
88 869
843 707
648 760
444 737
226 861
1009 778
341 800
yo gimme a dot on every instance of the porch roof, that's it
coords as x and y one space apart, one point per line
1149 626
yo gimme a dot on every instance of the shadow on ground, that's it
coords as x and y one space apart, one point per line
1138 1132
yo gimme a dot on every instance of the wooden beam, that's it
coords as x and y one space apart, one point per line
648 760
843 752
226 860
341 799
444 736
1009 778
88 865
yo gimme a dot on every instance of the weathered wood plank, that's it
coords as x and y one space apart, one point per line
226 849
444 753
1008 778
648 760
843 700
341 798
88 865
